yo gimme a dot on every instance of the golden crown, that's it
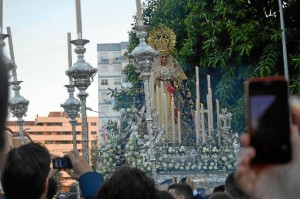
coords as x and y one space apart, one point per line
162 38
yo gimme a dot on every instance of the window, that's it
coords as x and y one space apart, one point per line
93 132
104 95
104 81
117 57
104 69
105 109
104 58
117 81
93 123
117 68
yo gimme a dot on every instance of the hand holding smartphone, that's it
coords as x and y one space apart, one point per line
269 119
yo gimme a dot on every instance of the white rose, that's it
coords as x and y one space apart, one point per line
215 168
131 147
187 168
210 167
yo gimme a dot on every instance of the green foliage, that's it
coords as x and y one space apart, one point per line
240 39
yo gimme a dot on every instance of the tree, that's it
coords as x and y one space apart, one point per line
232 40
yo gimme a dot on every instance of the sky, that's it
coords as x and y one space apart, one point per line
39 33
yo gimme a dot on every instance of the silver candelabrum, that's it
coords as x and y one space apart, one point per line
144 58
82 74
72 109
17 105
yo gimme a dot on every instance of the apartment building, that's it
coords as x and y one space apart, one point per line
55 132
111 62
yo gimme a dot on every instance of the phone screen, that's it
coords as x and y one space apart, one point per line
62 163
269 116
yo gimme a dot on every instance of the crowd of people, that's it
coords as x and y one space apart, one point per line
26 173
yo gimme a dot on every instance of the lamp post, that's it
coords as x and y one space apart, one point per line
144 58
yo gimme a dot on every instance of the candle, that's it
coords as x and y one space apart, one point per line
69 54
11 48
202 123
197 89
152 88
196 125
78 19
172 119
166 115
208 81
208 115
138 10
218 124
162 103
179 126
211 109
158 104
1 15
12 56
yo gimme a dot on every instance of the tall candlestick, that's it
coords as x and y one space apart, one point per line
172 119
139 10
218 124
179 126
202 123
78 19
166 115
69 54
1 16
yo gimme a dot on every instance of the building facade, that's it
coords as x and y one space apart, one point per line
55 133
111 62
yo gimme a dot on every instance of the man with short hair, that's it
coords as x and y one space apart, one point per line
181 191
25 173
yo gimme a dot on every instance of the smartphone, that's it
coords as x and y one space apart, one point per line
62 163
269 119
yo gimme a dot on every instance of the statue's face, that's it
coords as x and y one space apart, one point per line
163 59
